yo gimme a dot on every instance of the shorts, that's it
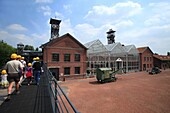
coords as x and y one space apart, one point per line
13 78
20 74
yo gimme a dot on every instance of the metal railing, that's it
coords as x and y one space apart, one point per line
60 101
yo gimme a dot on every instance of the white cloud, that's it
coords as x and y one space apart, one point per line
59 15
159 14
119 17
46 10
16 27
87 29
40 38
67 8
125 23
127 19
66 27
115 13
131 8
14 39
3 33
154 20
33 39
86 32
129 30
162 5
156 37
82 32
102 10
43 1
22 37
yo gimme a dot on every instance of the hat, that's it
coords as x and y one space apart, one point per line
29 64
13 56
22 58
37 58
18 56
3 72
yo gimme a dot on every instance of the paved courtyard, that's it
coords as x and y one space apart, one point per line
132 93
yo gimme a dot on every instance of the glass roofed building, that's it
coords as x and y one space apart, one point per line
114 55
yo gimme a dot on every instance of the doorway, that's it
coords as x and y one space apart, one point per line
144 67
119 63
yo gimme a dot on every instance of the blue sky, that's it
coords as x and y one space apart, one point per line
138 22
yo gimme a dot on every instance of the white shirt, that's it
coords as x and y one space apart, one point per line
13 66
4 77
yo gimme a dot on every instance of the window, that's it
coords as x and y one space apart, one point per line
66 70
147 58
77 70
55 57
147 65
144 59
150 58
77 57
150 65
67 57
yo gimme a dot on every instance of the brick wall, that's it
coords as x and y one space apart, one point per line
69 46
146 60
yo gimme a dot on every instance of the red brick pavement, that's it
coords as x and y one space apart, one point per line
132 93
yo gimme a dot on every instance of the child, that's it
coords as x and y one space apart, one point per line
29 73
4 81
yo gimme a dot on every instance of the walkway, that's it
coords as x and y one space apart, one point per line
32 99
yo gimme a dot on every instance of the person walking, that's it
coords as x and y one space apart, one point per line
13 68
37 70
29 73
34 60
4 81
22 74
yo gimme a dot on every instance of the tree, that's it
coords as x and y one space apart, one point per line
37 49
168 53
5 52
29 47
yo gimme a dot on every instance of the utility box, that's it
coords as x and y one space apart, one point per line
105 75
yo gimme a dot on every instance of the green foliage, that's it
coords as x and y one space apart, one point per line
37 49
168 53
29 47
5 52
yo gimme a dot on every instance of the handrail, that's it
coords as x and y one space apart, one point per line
60 101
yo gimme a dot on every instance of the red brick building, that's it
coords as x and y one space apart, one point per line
145 58
161 61
65 56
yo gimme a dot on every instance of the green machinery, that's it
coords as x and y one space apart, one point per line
106 75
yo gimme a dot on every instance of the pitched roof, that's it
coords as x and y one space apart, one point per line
131 49
59 38
143 49
87 45
162 57
110 47
128 47
95 46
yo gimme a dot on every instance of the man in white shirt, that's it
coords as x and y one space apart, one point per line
13 68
